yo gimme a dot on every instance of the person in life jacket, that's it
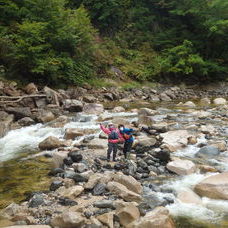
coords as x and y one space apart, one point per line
114 137
129 139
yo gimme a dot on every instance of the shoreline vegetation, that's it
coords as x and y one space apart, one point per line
63 42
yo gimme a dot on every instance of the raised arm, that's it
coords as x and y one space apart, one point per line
104 129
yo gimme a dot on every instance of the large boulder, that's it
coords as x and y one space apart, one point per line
73 105
119 109
123 192
93 108
130 182
128 214
50 143
219 101
188 196
72 133
68 219
181 167
45 116
158 218
215 187
19 112
208 151
175 140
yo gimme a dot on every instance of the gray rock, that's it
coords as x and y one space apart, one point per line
73 105
208 151
55 185
79 178
75 156
36 201
104 204
26 121
99 189
19 112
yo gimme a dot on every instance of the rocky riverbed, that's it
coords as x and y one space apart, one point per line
176 175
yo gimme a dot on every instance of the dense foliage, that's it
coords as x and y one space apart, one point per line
71 41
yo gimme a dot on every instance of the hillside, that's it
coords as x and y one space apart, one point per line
65 42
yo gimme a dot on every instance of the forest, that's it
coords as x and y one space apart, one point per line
67 42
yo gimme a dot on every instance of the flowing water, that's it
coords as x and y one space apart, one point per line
21 172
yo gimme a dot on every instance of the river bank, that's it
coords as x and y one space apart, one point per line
155 186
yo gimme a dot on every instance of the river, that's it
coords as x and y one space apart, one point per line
21 173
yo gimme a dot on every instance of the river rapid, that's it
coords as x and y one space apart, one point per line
23 172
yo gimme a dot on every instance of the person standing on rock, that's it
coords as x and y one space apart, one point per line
114 137
128 137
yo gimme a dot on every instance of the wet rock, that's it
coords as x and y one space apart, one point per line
73 105
68 219
69 174
19 112
181 167
119 109
71 192
128 214
159 217
59 122
67 161
55 185
36 201
214 187
128 181
99 189
146 112
75 156
119 166
207 168
123 192
208 151
26 121
104 204
192 140
50 143
188 196
93 108
189 104
106 219
72 133
208 129
55 171
79 178
219 101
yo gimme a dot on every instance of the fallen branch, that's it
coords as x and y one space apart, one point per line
8 99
